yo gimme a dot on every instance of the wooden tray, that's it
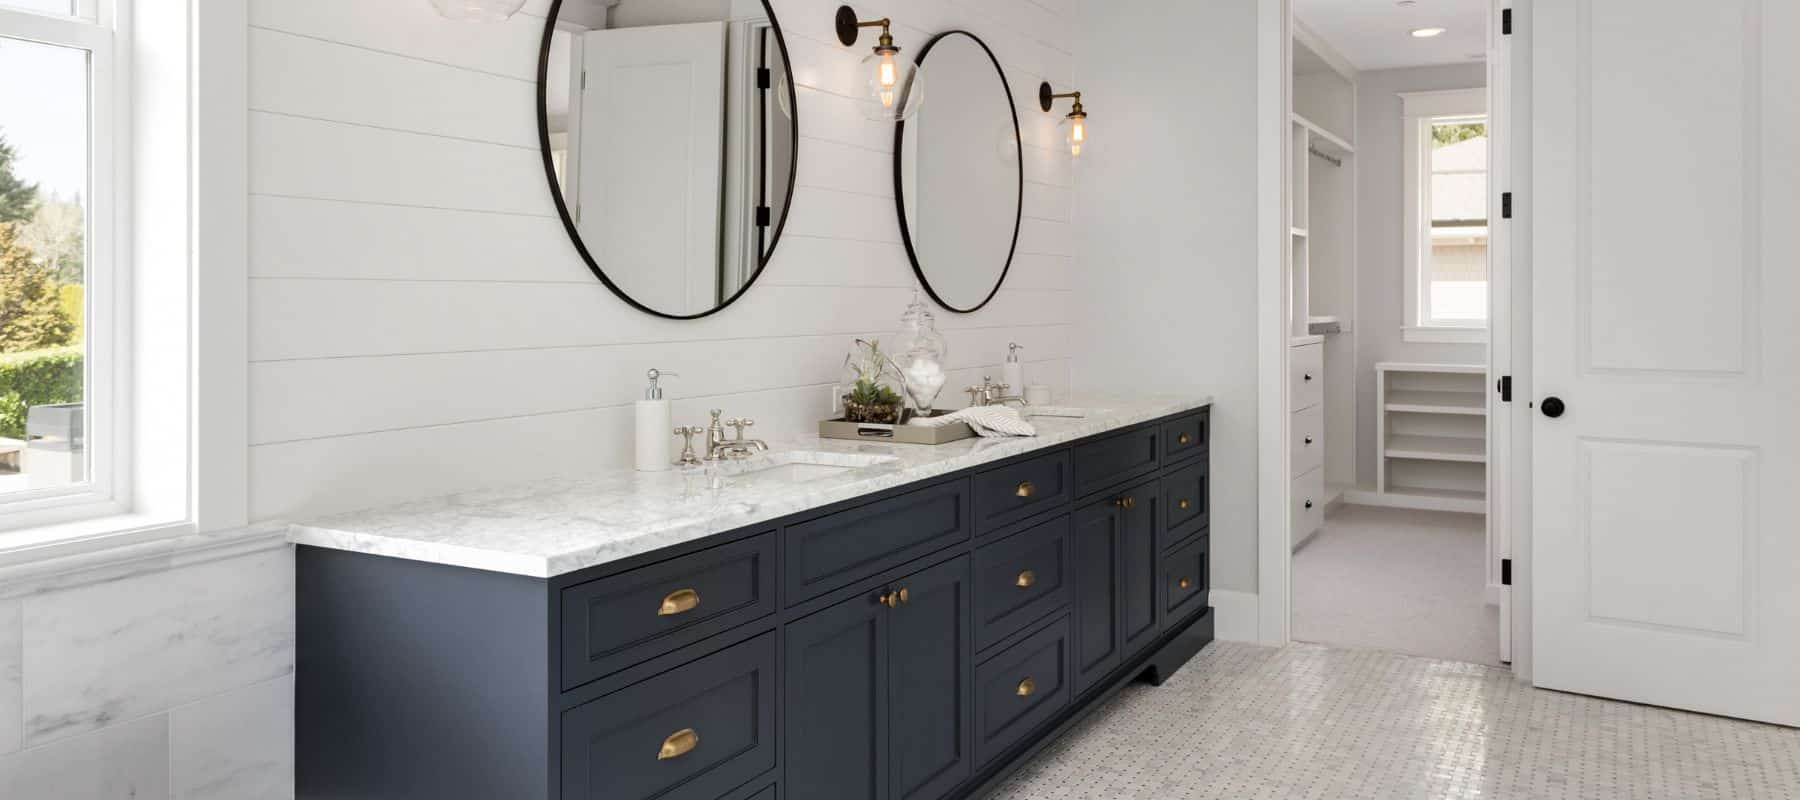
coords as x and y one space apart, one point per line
901 434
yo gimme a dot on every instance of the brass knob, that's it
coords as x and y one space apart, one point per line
1127 503
1184 583
1184 505
677 602
1026 687
1183 439
1026 579
894 599
679 744
1026 489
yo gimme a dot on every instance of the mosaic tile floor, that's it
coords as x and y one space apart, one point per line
1247 722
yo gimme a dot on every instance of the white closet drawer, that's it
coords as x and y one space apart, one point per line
1309 504
1306 375
1306 440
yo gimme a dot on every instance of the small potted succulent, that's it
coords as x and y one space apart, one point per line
871 399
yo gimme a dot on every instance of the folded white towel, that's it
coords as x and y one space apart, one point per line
989 421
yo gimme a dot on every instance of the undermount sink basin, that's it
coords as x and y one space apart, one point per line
800 466
1070 412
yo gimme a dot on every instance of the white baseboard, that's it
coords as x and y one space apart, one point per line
1236 615
1422 502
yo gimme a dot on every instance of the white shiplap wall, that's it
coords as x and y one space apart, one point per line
420 324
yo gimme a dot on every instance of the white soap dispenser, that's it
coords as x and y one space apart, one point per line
653 439
1012 373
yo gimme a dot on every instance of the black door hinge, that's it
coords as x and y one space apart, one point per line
1506 205
1505 572
764 79
1506 22
1505 388
762 216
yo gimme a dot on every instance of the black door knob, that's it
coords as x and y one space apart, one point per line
1553 407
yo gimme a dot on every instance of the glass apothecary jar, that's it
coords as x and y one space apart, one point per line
920 352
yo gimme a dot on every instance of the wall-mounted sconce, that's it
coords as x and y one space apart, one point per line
896 88
478 10
1074 125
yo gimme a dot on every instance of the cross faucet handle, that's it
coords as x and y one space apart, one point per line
740 425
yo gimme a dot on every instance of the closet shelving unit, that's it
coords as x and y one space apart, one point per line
1431 435
1322 279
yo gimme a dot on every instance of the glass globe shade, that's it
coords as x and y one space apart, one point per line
478 10
1075 135
895 87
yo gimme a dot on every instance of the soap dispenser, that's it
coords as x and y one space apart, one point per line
1012 373
653 440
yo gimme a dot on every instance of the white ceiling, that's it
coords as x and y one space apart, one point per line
1376 34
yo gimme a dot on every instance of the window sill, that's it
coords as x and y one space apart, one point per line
1445 335
52 556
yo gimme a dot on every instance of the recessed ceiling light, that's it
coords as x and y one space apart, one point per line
1426 33
1407 3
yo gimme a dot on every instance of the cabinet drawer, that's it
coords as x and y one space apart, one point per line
841 548
1187 576
1308 497
1021 579
696 731
1021 688
1186 499
1306 376
1116 458
1005 495
1306 440
1185 436
617 621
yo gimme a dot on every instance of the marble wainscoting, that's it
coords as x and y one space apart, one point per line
164 673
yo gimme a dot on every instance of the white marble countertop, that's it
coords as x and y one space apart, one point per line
552 527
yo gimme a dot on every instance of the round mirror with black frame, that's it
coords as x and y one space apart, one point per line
959 183
670 137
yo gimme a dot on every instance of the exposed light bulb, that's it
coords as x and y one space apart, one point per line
889 72
1077 136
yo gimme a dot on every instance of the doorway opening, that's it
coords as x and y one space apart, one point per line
1393 209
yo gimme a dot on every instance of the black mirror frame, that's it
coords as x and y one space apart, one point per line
1012 107
562 207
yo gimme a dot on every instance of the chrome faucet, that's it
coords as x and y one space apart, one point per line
990 393
717 447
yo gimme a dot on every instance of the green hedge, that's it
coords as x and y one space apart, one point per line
36 378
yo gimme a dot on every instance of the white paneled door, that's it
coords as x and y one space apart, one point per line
1666 173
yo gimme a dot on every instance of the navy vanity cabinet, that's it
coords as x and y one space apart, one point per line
915 643
878 700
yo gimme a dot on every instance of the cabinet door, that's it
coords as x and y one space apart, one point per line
1096 608
930 645
1139 522
836 705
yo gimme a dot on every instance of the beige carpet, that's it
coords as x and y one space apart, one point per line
1398 580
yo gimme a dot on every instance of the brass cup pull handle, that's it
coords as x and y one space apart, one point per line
1127 503
1026 489
679 601
1183 439
1184 583
894 599
1184 504
1027 579
1026 687
679 744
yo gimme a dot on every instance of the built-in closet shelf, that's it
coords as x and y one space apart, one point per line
1329 142
1434 402
1431 437
1437 448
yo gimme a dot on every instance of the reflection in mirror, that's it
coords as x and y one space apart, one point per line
670 139
958 176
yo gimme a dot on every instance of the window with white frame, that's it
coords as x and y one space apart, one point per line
58 274
1446 155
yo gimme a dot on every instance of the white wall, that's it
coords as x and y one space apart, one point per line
421 325
1165 236
1381 263
165 676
